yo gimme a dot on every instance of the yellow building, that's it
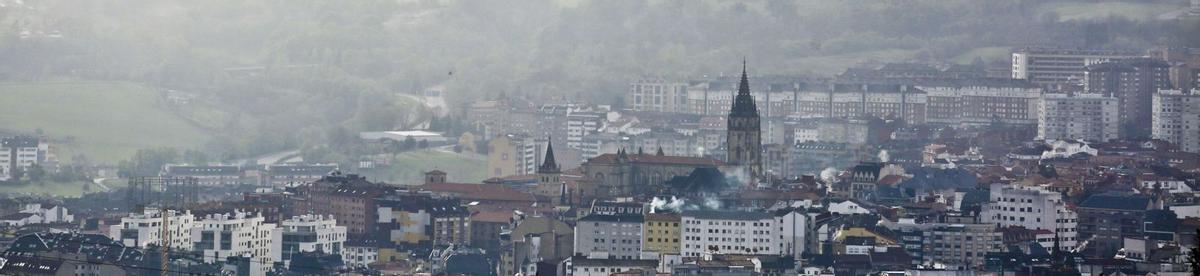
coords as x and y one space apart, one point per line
661 233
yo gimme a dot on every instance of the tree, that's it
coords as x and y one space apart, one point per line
17 173
423 144
410 143
36 173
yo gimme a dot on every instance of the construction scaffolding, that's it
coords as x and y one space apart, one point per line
162 192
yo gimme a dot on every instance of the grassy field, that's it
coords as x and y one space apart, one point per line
105 121
1100 10
410 167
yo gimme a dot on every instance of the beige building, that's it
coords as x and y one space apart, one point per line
662 233
512 154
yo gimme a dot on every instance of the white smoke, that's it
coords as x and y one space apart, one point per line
829 175
674 204
883 156
712 203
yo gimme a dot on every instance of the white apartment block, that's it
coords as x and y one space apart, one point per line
580 123
1087 117
1032 208
794 231
219 236
618 235
1175 116
1058 66
50 213
729 232
20 152
307 233
145 228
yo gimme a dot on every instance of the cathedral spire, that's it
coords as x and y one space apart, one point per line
548 165
743 102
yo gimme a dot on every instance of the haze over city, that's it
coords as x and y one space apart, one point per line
586 137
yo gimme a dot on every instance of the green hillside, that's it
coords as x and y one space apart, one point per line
105 121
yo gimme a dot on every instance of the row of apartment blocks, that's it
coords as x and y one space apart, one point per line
275 175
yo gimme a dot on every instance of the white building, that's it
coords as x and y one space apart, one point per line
360 253
307 233
847 207
143 229
1058 66
219 236
20 152
1088 117
729 232
1032 208
50 213
581 122
618 235
794 233
1176 118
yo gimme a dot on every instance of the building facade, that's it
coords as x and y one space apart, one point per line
1058 66
307 233
729 232
617 235
237 234
1088 117
1176 118
662 233
20 153
1133 82
1032 208
145 228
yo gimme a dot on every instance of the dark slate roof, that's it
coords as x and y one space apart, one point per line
1116 202
626 218
727 215
17 264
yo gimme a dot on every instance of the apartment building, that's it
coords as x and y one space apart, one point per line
1088 117
1176 118
729 232
145 228
1033 208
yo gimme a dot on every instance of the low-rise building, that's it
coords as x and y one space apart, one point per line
206 175
289 174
